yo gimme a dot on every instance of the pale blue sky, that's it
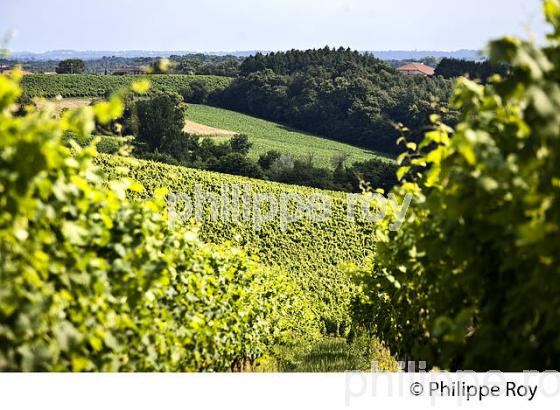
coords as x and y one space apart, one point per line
228 25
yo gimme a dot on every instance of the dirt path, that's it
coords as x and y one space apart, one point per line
204 130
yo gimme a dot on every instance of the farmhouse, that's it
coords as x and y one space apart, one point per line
413 69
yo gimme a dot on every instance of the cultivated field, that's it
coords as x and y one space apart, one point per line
310 251
87 85
267 135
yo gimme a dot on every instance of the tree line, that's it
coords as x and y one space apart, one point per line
475 70
345 95
199 64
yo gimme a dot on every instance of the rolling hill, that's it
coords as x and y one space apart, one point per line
267 135
313 252
264 135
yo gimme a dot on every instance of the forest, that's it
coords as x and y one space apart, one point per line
338 93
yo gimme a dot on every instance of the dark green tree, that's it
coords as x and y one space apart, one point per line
71 66
197 92
161 119
266 160
236 163
240 143
482 71
340 94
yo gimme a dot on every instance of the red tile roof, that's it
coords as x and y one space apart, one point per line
423 68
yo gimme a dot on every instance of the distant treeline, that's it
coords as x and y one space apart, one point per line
452 68
227 66
200 64
338 93
295 61
341 94
87 85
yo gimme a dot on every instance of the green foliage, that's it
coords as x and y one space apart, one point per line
472 279
92 281
284 169
227 66
236 163
302 172
159 66
87 85
104 143
192 64
161 119
373 173
71 66
311 252
481 71
197 92
240 143
332 354
266 160
293 61
342 94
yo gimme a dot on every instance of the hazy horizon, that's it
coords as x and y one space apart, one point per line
233 51
221 26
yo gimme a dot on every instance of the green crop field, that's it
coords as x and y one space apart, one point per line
89 85
313 252
267 135
113 285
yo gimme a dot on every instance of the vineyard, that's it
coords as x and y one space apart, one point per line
100 271
128 291
94 282
472 281
88 85
313 253
268 135
264 135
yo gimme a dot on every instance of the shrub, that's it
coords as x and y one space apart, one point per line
472 279
240 144
266 160
71 66
238 164
103 143
159 157
93 281
197 92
